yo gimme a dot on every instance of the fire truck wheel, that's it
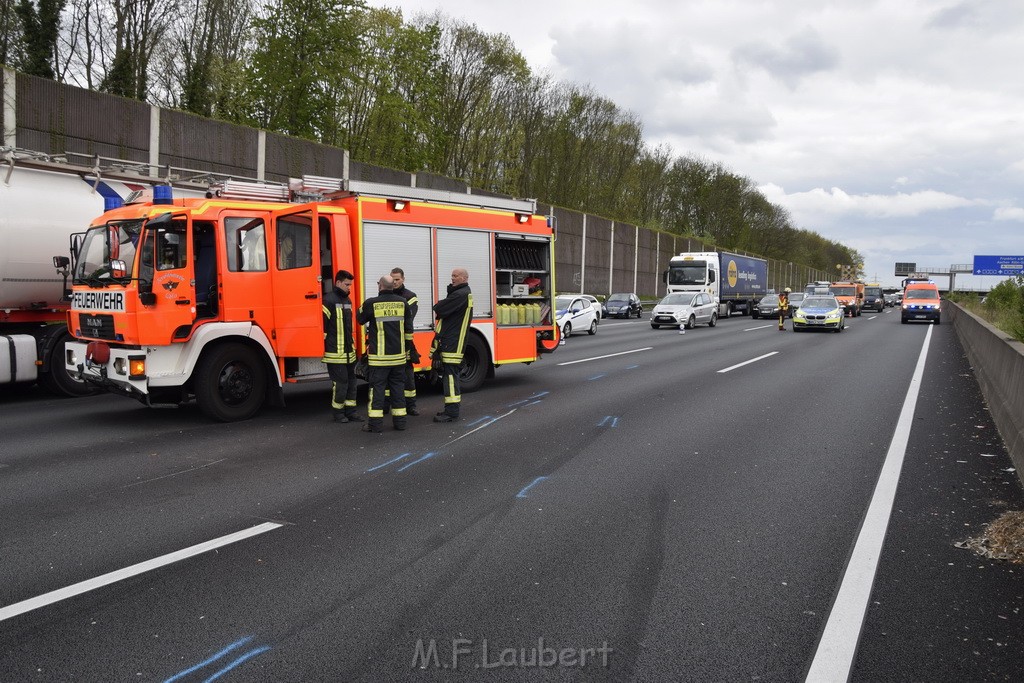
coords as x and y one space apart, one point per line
476 363
230 383
57 380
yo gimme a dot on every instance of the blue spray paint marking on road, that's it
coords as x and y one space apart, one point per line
522 494
609 421
632 367
385 464
248 655
518 403
211 660
615 422
428 456
540 395
591 379
532 403
485 417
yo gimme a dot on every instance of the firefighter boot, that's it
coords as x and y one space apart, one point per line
339 416
374 425
399 423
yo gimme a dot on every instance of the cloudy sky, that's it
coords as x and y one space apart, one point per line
894 126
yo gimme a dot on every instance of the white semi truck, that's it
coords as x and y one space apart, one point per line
735 282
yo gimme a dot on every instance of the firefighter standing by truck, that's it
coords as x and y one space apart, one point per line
398 275
454 313
389 336
339 349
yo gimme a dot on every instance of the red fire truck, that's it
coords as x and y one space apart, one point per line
180 298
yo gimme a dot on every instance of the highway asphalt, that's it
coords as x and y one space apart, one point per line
640 505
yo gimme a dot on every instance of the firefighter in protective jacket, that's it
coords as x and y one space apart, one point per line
454 314
339 349
398 275
389 336
783 308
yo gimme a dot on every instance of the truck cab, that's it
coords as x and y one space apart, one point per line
850 296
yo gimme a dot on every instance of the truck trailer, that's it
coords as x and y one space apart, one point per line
735 282
43 204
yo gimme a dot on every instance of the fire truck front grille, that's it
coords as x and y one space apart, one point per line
97 326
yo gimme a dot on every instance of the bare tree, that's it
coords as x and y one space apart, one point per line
203 48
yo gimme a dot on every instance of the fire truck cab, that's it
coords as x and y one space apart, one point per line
219 298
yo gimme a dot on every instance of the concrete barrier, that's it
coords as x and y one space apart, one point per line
998 362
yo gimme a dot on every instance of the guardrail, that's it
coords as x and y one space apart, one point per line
998 362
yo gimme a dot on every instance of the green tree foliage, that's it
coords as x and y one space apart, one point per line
40 25
139 28
203 55
381 110
476 124
432 94
301 47
10 33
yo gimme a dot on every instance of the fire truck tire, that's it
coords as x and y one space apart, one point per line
230 383
57 380
476 363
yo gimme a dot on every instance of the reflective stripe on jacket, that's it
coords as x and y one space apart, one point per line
389 333
338 344
454 314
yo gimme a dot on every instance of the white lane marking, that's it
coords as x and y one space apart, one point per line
610 355
140 568
872 317
748 362
834 657
763 327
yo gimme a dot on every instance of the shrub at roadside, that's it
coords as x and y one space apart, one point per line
1003 307
1006 305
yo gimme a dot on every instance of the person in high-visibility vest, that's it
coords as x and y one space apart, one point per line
339 349
389 335
783 308
454 313
398 275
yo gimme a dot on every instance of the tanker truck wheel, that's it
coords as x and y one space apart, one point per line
57 380
230 383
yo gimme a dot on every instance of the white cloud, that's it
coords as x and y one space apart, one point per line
895 127
801 54
838 202
1009 213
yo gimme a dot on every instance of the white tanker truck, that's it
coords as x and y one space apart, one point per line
42 206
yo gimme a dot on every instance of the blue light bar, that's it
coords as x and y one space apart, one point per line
114 202
162 194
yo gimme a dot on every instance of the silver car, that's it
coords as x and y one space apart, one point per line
685 309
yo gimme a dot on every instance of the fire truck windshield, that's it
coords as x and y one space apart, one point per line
691 273
115 241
